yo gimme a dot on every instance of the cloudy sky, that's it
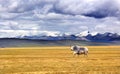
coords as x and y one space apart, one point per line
39 17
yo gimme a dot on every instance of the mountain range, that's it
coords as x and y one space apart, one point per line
84 36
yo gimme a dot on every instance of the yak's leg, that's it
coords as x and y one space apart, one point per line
86 53
78 54
74 54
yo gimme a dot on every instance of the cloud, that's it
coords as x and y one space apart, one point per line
62 16
106 9
76 7
108 24
72 7
17 25
20 6
22 33
90 8
83 27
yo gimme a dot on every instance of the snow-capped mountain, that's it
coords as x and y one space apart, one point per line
84 33
103 37
87 37
84 36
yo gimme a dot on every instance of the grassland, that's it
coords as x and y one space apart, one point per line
59 60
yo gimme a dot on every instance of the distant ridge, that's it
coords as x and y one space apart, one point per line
85 36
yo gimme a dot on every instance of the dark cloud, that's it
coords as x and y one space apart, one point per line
102 13
108 9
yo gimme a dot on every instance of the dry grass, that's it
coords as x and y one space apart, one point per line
59 60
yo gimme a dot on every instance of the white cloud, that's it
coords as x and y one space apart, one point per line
83 27
22 33
109 24
101 26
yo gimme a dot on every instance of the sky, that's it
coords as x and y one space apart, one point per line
51 17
